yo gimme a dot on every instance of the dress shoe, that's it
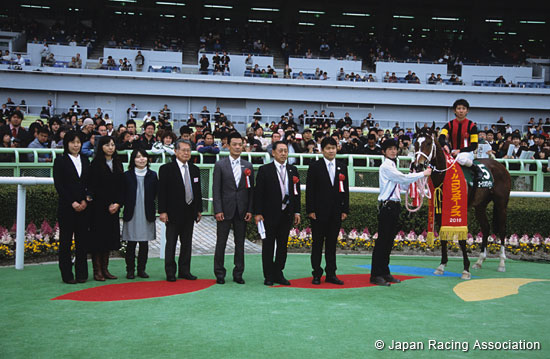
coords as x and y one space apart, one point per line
282 281
81 280
380 281
391 279
171 278
220 280
130 275
187 276
334 280
316 280
69 281
268 282
238 280
142 274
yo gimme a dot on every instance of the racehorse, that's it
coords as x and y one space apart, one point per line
428 152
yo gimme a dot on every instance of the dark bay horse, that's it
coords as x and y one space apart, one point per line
428 151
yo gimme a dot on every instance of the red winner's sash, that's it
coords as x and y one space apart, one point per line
454 219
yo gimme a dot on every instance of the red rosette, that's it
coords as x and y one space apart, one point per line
247 172
295 179
342 177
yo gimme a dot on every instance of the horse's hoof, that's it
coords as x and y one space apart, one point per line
466 275
501 269
477 266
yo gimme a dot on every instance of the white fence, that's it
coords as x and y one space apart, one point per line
23 182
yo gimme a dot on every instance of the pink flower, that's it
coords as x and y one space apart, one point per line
45 228
31 228
366 230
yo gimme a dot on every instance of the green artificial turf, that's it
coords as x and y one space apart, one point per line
255 321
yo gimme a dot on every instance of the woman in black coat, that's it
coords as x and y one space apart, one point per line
106 194
70 175
140 192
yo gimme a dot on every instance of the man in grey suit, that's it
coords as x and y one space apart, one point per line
233 193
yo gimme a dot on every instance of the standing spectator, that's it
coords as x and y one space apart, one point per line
16 130
249 63
204 63
179 205
257 114
70 175
132 111
140 192
41 141
106 189
207 145
233 194
140 61
44 54
148 138
205 114
225 59
166 144
287 72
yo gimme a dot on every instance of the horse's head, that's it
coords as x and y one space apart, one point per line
424 147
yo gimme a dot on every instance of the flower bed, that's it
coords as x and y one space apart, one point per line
523 247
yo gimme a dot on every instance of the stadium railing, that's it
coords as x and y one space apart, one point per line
362 169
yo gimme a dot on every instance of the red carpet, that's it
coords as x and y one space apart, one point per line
137 290
350 281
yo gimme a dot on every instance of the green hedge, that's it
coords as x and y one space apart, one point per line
525 216
41 204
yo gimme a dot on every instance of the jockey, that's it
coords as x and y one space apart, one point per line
462 137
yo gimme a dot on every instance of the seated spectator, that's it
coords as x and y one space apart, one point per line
147 117
111 64
393 78
78 61
300 76
500 80
432 80
409 77
125 141
370 78
50 61
6 143
41 141
387 77
414 79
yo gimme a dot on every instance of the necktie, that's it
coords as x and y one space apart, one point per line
236 171
331 172
282 183
14 132
187 185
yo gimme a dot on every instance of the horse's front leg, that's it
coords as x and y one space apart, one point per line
441 269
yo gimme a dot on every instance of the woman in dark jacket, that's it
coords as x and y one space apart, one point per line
70 175
106 194
140 191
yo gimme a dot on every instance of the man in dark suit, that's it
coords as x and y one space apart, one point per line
179 205
15 129
233 193
327 205
277 204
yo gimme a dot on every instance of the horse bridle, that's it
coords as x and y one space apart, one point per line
419 153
